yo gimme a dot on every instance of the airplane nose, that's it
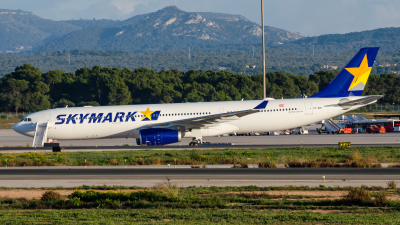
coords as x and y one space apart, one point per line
24 129
17 128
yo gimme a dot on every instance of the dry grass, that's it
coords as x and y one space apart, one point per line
88 163
7 124
24 162
354 156
354 159
380 200
356 196
168 189
156 161
391 184
113 162
266 165
51 195
321 162
140 161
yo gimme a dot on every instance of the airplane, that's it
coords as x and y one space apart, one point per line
162 124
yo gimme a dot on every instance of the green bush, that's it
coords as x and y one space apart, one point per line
356 196
3 117
51 195
91 196
388 108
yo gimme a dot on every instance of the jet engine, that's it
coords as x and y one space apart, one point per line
158 136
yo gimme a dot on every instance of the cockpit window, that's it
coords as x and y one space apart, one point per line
26 119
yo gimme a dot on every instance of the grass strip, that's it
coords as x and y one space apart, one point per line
293 157
196 216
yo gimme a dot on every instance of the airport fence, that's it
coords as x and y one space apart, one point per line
13 115
380 108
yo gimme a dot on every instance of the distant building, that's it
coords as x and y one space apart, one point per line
330 67
254 66
222 68
247 66
388 64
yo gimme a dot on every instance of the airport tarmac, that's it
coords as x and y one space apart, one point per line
78 176
11 138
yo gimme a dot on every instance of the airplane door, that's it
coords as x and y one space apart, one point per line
46 117
309 109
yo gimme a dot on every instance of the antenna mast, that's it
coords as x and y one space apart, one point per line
263 47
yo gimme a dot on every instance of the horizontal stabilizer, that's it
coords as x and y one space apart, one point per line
362 101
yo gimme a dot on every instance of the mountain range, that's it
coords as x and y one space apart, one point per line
171 29
167 29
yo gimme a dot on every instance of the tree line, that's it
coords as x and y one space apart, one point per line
283 60
28 89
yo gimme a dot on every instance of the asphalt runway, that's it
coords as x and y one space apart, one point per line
10 138
185 177
201 174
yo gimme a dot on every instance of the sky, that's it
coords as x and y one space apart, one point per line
310 17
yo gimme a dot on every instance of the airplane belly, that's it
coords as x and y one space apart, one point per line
79 131
214 131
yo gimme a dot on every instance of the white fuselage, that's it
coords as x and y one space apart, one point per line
279 114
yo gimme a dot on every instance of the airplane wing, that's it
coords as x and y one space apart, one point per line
345 103
207 121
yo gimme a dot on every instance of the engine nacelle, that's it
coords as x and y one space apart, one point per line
158 136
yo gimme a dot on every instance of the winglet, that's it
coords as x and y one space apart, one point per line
262 105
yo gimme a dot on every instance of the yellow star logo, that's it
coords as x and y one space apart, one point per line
147 114
360 73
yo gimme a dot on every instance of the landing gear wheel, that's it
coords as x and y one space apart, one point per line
195 142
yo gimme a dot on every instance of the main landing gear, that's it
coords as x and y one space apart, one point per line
196 142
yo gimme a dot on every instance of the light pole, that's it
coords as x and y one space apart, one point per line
263 47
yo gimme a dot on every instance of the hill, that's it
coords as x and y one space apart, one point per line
386 38
170 29
284 60
20 30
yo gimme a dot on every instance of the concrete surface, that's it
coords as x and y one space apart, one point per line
188 183
11 138
145 177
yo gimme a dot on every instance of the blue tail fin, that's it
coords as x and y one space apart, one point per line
352 79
